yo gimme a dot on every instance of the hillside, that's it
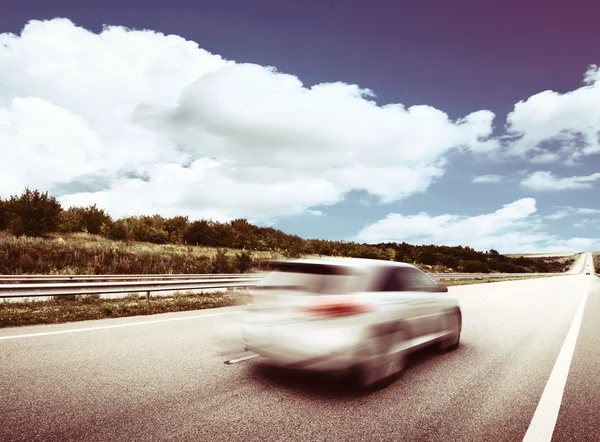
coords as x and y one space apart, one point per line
83 253
38 236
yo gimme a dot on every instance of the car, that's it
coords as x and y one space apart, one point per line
349 316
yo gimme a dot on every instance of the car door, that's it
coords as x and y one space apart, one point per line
424 301
399 300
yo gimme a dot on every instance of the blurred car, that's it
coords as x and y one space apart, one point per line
352 316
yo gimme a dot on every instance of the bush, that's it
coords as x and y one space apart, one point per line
243 261
72 220
3 214
175 228
475 267
157 236
507 267
94 218
221 263
116 230
33 213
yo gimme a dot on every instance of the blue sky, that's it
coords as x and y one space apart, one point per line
146 122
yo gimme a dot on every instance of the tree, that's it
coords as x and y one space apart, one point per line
175 227
94 218
117 230
199 233
3 214
33 213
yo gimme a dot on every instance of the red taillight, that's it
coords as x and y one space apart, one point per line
336 306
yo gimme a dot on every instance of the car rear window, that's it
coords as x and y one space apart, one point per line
312 278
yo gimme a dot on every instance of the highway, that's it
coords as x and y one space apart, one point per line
164 377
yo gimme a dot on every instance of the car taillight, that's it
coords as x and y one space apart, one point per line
336 306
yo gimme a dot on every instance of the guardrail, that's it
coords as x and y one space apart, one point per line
91 288
447 276
150 277
139 277
110 284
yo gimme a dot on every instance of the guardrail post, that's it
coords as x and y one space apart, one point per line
148 297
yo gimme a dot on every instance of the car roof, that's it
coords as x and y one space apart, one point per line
350 262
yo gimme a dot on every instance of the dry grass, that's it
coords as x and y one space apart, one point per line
81 308
81 253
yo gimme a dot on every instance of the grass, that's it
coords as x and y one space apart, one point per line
63 309
82 253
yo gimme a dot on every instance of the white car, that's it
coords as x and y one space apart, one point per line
356 316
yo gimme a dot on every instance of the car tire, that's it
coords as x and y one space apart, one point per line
387 366
452 321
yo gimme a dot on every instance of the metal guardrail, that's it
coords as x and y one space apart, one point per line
91 288
150 277
448 276
110 284
108 278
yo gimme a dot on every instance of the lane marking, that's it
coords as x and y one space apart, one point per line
106 327
544 419
245 358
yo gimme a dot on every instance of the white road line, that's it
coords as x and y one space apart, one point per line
105 327
544 419
245 358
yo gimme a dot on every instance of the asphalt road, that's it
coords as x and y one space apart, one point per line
163 378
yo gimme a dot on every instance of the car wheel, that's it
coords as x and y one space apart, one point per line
453 324
387 365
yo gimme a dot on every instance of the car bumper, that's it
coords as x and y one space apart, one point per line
307 347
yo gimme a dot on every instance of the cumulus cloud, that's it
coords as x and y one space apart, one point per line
514 228
549 126
487 179
141 122
545 181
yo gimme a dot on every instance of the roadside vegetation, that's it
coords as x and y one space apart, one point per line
38 236
61 309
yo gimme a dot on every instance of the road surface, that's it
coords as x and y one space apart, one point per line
164 378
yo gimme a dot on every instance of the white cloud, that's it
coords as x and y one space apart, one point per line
140 122
543 181
487 179
566 211
514 228
545 158
549 126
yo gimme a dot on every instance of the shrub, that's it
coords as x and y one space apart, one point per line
94 218
475 267
175 228
116 230
220 263
243 261
72 220
33 213
3 214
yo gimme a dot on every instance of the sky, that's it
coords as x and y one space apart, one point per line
453 123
